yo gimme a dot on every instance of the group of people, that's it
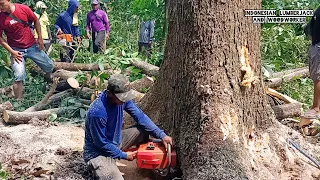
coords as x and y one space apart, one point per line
28 35
104 138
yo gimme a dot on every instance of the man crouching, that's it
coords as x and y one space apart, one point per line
104 137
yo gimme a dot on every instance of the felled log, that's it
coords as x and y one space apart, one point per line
6 106
64 74
13 117
70 83
148 69
84 93
141 84
277 81
287 110
286 72
58 96
77 66
40 105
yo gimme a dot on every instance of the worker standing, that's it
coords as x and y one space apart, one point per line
42 15
98 24
67 27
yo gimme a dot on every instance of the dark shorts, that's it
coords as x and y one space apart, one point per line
314 62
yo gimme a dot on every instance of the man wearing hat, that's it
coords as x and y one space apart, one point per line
98 24
104 137
42 15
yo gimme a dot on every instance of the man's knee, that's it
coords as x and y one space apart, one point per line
19 74
104 168
97 43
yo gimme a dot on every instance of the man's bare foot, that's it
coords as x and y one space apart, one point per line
311 114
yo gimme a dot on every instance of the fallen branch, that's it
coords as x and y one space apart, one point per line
286 72
276 81
5 106
77 66
148 69
287 110
40 105
13 117
141 84
283 97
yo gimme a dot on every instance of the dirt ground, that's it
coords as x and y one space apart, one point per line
43 150
50 151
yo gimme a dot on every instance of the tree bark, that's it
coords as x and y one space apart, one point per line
12 117
287 110
5 106
198 97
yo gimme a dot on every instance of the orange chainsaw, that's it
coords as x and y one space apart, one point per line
154 156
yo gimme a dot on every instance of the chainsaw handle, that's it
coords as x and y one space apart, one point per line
156 140
168 150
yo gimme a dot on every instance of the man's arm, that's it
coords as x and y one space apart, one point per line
38 28
98 133
88 27
56 26
143 120
106 22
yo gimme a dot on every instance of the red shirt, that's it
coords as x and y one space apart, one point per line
18 35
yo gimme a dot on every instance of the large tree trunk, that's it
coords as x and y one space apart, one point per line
199 100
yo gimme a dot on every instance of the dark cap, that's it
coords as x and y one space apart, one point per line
119 85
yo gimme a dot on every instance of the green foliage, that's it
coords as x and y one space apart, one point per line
3 174
300 90
285 46
282 48
5 70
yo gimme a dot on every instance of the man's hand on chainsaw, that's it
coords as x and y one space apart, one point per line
131 155
167 140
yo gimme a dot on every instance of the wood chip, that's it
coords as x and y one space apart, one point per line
304 122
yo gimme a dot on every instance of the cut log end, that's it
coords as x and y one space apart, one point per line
73 83
5 116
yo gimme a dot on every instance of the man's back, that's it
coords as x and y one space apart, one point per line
18 34
315 27
146 31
